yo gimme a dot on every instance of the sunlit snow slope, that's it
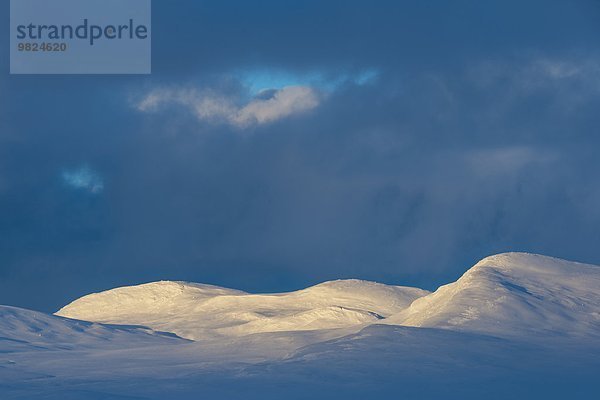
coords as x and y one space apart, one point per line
514 294
197 311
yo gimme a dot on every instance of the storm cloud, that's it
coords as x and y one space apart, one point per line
398 142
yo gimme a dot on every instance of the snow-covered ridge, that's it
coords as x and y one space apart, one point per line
511 318
197 311
504 295
514 294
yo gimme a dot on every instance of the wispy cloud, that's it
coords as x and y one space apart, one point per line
209 105
265 96
282 103
507 160
535 72
83 178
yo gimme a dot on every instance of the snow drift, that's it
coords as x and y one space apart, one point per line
21 328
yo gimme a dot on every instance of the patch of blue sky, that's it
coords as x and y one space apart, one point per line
258 80
83 178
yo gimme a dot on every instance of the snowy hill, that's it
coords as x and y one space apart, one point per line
196 311
21 328
513 326
514 294
506 294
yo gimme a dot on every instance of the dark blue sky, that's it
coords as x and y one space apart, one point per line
395 141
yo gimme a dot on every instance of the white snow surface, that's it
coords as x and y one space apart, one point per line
514 294
196 311
515 325
26 328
